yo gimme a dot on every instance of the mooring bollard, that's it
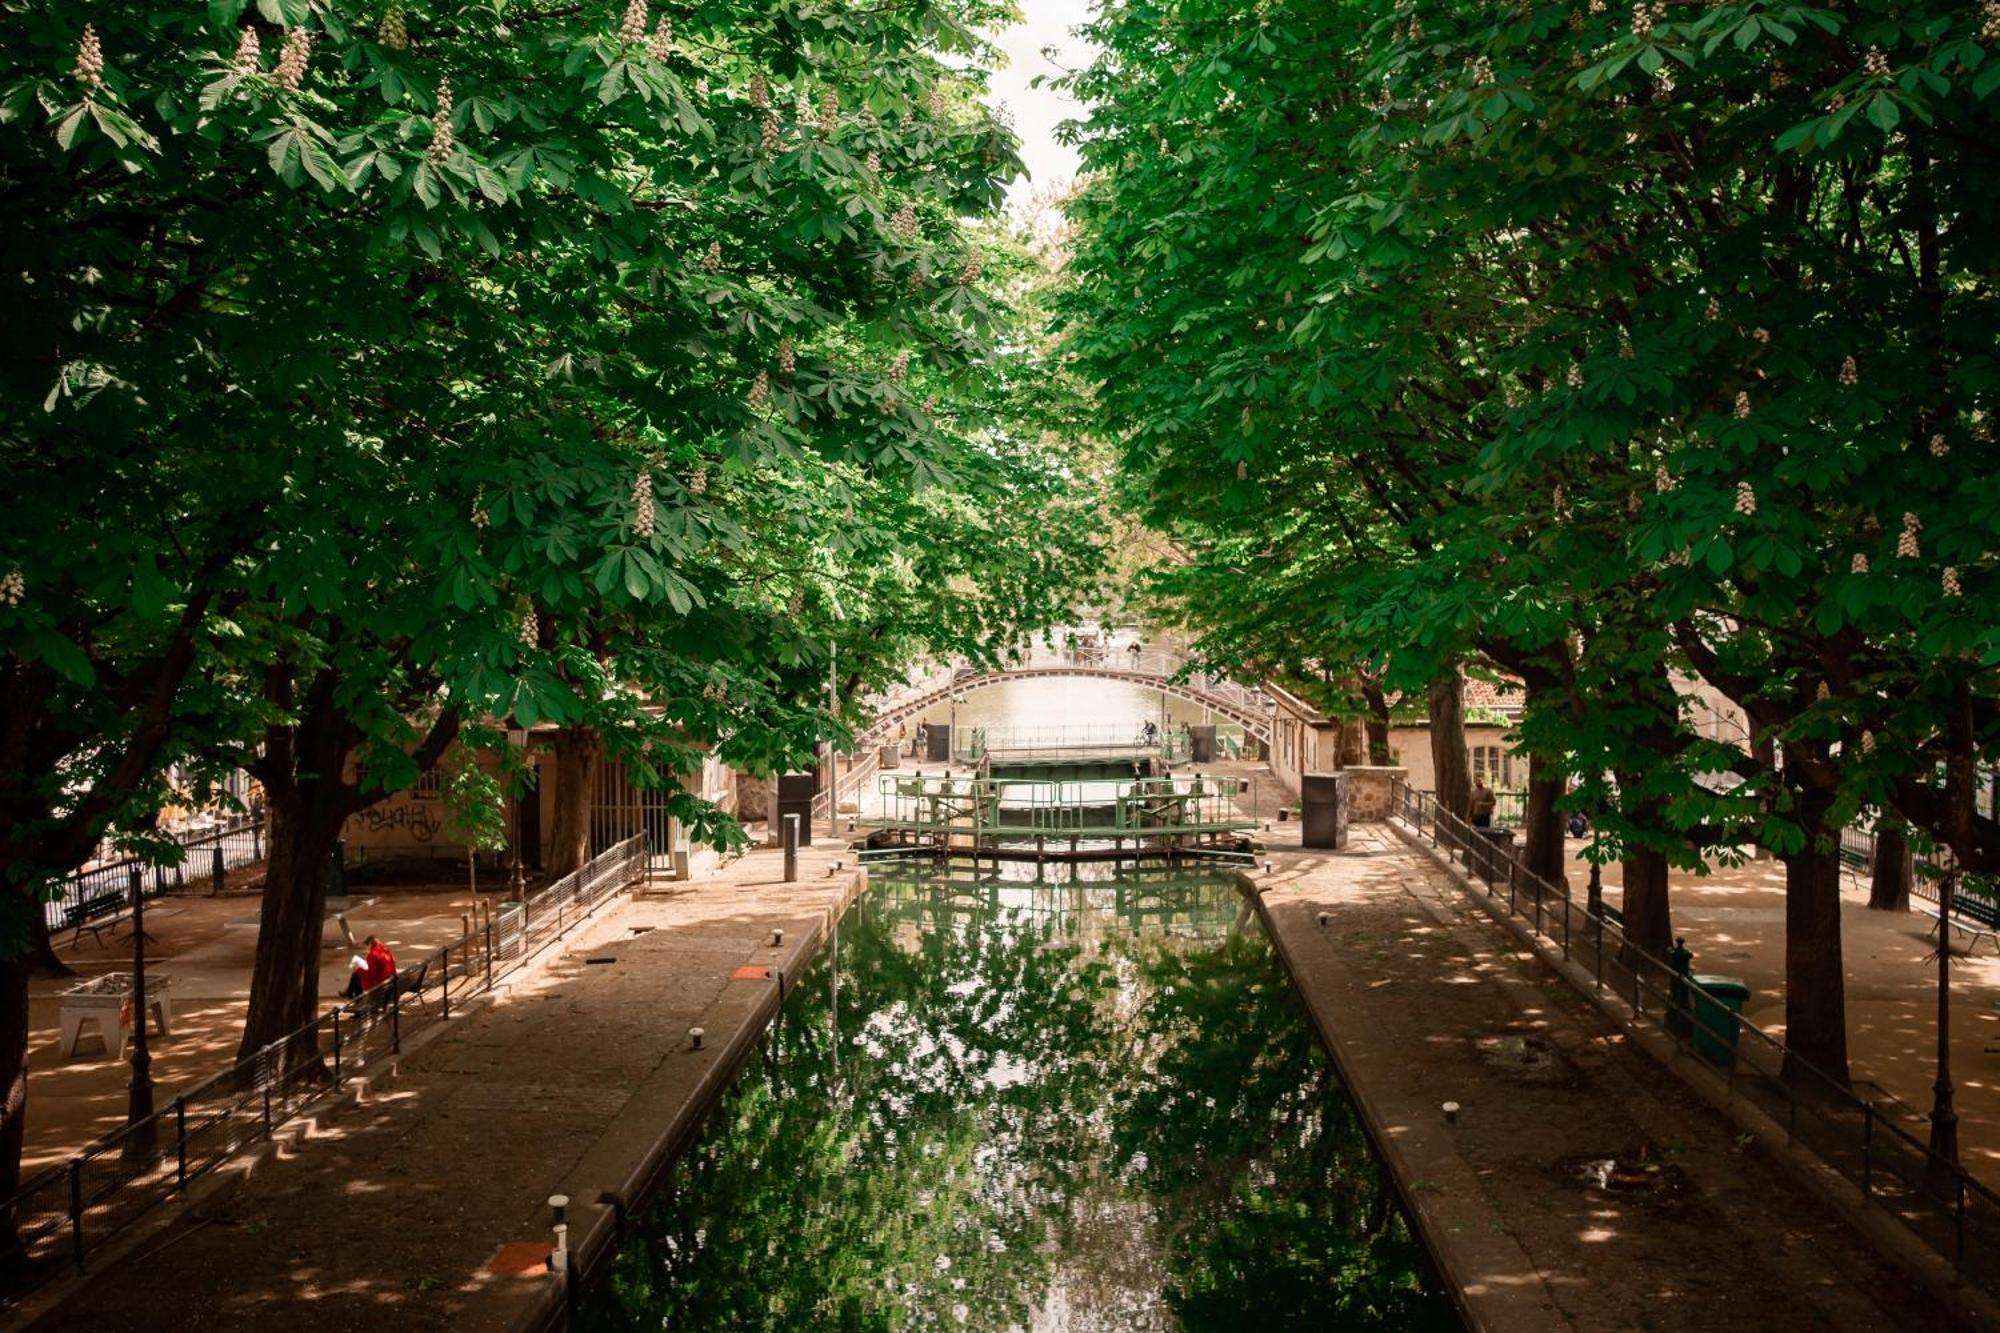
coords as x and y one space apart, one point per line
559 1254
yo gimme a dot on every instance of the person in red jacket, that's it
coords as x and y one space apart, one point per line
381 965
374 966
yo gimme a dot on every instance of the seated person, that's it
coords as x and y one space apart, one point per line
374 967
357 976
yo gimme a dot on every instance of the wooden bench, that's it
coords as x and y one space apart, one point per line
1971 915
95 914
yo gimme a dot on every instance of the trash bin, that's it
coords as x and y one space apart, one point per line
1718 1001
1488 859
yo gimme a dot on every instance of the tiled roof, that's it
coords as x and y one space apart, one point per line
1504 696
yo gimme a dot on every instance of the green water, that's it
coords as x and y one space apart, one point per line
1001 1104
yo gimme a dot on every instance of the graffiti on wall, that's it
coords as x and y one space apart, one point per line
416 818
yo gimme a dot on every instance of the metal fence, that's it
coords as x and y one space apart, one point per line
106 887
1935 1197
847 786
67 1210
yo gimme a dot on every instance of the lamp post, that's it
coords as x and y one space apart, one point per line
1943 1160
142 1145
516 883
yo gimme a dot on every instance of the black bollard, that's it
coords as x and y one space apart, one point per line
791 840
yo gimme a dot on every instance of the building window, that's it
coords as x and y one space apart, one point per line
1492 765
428 785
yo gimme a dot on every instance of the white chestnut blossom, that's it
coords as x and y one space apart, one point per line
291 70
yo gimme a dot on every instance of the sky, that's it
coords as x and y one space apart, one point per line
1037 111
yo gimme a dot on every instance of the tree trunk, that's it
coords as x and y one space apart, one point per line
1815 982
577 752
46 960
284 979
1450 765
1889 888
1377 723
1648 919
14 973
1544 852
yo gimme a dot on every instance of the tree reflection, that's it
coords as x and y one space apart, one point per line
1017 1096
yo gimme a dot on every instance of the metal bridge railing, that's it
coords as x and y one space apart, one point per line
952 811
1150 663
1935 1197
850 784
65 1211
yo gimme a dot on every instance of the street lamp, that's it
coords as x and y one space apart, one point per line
142 1144
1944 1116
518 738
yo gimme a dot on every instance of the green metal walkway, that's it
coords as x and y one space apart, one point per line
1041 819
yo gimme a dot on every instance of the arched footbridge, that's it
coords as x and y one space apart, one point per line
1251 709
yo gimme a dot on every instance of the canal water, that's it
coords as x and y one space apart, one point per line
1088 1101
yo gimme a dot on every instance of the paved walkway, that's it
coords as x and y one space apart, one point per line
1734 920
206 945
1425 1001
391 1214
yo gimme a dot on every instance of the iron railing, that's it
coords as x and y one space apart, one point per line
106 887
69 1209
848 784
901 701
1934 1196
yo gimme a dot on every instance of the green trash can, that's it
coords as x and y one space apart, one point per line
1718 1002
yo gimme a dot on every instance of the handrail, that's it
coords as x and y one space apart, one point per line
67 1209
1151 664
1937 1197
826 803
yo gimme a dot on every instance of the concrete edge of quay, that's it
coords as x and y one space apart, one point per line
1412 1159
1880 1228
600 1215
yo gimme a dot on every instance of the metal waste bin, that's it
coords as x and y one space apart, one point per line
1718 1005
1323 801
1490 851
889 755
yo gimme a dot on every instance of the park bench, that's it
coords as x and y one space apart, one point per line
1971 915
95 914
411 982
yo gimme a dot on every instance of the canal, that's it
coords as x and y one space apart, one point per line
1080 1102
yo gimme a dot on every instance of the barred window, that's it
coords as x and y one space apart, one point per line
1492 765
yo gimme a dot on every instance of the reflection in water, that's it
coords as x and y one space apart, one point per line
1031 1104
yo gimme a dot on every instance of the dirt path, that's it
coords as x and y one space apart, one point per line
1426 1001
391 1214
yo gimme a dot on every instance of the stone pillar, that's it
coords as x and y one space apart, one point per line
1371 786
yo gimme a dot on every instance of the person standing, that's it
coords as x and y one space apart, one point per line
1483 801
